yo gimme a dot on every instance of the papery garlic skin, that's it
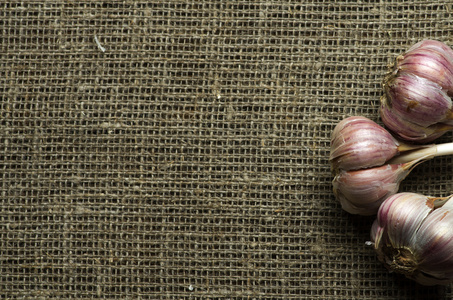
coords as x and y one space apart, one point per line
362 191
429 59
413 235
358 143
418 100
408 130
434 45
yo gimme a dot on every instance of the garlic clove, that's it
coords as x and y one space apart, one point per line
408 130
358 142
435 241
418 100
362 191
404 211
429 60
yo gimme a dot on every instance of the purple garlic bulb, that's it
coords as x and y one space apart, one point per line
362 191
416 105
358 143
412 235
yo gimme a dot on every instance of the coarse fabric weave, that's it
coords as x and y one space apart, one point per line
179 149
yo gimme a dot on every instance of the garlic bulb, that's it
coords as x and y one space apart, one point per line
416 105
412 235
369 163
359 143
362 191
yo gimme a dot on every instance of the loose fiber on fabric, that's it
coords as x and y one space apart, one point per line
179 149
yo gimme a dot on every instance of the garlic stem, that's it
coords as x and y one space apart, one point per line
428 152
444 149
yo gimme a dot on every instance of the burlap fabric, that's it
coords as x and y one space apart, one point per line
179 149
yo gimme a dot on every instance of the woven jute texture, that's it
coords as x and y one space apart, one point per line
179 149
